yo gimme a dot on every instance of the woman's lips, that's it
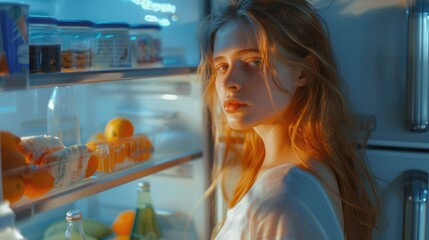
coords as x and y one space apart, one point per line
233 105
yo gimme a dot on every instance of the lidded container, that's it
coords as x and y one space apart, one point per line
45 45
145 44
77 38
111 45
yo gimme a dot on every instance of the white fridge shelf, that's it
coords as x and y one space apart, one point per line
40 80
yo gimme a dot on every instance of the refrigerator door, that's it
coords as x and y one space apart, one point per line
370 43
389 166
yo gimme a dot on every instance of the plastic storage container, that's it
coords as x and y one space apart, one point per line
77 38
45 45
145 45
111 45
48 166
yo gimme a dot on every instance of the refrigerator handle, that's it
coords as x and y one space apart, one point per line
417 70
415 200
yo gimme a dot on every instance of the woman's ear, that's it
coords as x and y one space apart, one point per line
305 74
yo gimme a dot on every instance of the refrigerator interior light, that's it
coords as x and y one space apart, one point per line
169 96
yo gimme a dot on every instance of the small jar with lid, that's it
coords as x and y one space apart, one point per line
145 45
45 45
77 39
111 45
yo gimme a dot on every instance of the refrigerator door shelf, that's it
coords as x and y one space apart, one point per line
98 183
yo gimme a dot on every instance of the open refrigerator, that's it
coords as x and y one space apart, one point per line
370 43
163 102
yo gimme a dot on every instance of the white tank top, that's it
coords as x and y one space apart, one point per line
285 202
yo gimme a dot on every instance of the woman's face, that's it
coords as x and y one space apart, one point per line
248 100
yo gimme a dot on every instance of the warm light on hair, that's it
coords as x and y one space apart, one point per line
318 121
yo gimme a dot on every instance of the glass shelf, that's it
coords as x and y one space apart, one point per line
41 80
99 183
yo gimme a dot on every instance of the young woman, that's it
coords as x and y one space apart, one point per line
277 103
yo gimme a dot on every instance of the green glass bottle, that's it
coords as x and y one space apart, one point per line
146 226
74 226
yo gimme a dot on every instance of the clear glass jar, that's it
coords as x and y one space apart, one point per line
111 45
45 45
77 38
145 45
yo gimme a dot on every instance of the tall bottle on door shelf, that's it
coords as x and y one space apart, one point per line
63 116
74 229
145 224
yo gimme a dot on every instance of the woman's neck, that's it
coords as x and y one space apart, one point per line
278 149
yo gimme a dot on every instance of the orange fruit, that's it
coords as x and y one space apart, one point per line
106 155
97 137
8 141
121 237
92 165
141 148
12 159
13 188
118 128
38 183
123 223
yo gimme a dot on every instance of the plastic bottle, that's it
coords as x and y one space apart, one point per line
63 116
7 223
145 224
74 229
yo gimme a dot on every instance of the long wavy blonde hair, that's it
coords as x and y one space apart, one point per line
319 120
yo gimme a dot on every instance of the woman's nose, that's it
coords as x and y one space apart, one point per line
233 80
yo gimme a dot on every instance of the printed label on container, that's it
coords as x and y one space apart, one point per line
112 53
14 53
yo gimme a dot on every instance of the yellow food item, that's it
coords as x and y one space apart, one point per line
118 128
12 160
13 188
123 223
38 183
9 141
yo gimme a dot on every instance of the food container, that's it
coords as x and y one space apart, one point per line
145 45
77 39
111 46
45 45
14 67
44 166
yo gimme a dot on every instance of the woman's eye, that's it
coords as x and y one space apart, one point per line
221 68
254 63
